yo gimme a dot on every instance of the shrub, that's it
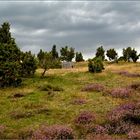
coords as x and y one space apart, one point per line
9 74
25 133
28 64
97 129
134 134
100 137
129 112
95 65
121 112
126 73
53 132
118 128
83 122
93 87
123 118
84 118
121 92
133 75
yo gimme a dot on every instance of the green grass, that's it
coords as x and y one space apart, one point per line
38 106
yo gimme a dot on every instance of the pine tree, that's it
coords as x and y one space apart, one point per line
54 52
67 54
79 57
10 68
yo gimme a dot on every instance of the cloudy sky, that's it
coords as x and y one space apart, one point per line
84 25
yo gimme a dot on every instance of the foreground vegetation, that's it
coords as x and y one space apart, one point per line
62 95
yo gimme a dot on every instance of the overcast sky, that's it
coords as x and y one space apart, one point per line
84 25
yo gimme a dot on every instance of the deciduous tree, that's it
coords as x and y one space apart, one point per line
47 61
112 54
134 56
127 54
100 52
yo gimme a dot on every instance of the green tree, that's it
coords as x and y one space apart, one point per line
54 52
100 52
134 56
5 35
79 57
10 68
28 64
47 61
127 54
112 54
67 54
40 56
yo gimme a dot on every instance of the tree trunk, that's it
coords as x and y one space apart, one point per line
44 72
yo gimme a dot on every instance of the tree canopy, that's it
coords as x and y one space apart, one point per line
79 57
100 52
67 53
112 54
54 52
129 53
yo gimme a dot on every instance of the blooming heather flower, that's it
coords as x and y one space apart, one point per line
121 92
93 87
85 118
53 132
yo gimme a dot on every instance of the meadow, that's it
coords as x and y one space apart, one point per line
59 97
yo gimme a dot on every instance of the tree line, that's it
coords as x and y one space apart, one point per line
16 64
128 54
96 64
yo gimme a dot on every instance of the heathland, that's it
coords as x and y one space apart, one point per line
62 95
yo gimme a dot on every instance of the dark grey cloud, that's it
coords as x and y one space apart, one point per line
84 25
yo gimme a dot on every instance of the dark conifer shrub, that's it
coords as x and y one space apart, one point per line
95 65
